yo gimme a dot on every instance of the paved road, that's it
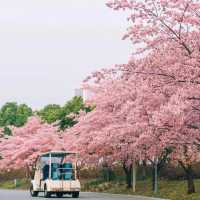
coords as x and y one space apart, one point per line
24 195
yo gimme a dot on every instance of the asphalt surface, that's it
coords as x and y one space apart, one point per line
24 195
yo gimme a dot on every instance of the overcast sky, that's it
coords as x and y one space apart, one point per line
47 47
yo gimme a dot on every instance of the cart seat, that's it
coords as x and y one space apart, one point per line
55 173
67 168
45 171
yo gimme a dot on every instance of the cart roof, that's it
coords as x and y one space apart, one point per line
57 153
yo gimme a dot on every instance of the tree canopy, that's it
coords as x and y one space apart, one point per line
13 114
50 113
63 115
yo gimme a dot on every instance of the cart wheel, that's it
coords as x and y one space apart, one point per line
32 192
75 194
59 194
46 193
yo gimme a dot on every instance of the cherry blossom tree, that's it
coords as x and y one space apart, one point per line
21 149
166 33
131 119
119 125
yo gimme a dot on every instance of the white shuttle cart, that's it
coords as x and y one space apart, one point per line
55 175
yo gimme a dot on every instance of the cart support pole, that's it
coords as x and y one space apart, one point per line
134 176
76 167
50 166
156 176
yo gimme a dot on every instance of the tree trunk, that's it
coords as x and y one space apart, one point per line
134 176
159 163
27 172
144 165
190 180
128 173
155 174
153 178
109 174
190 177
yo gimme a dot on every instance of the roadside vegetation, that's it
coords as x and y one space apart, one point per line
19 184
169 189
172 183
173 190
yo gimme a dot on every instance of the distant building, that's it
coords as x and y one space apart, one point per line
79 92
84 93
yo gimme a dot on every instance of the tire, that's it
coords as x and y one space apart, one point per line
32 192
75 194
59 194
46 193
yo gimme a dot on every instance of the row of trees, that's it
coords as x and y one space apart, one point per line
148 109
12 114
145 111
21 149
43 131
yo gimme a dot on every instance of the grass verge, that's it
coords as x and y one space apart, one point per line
174 190
20 184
